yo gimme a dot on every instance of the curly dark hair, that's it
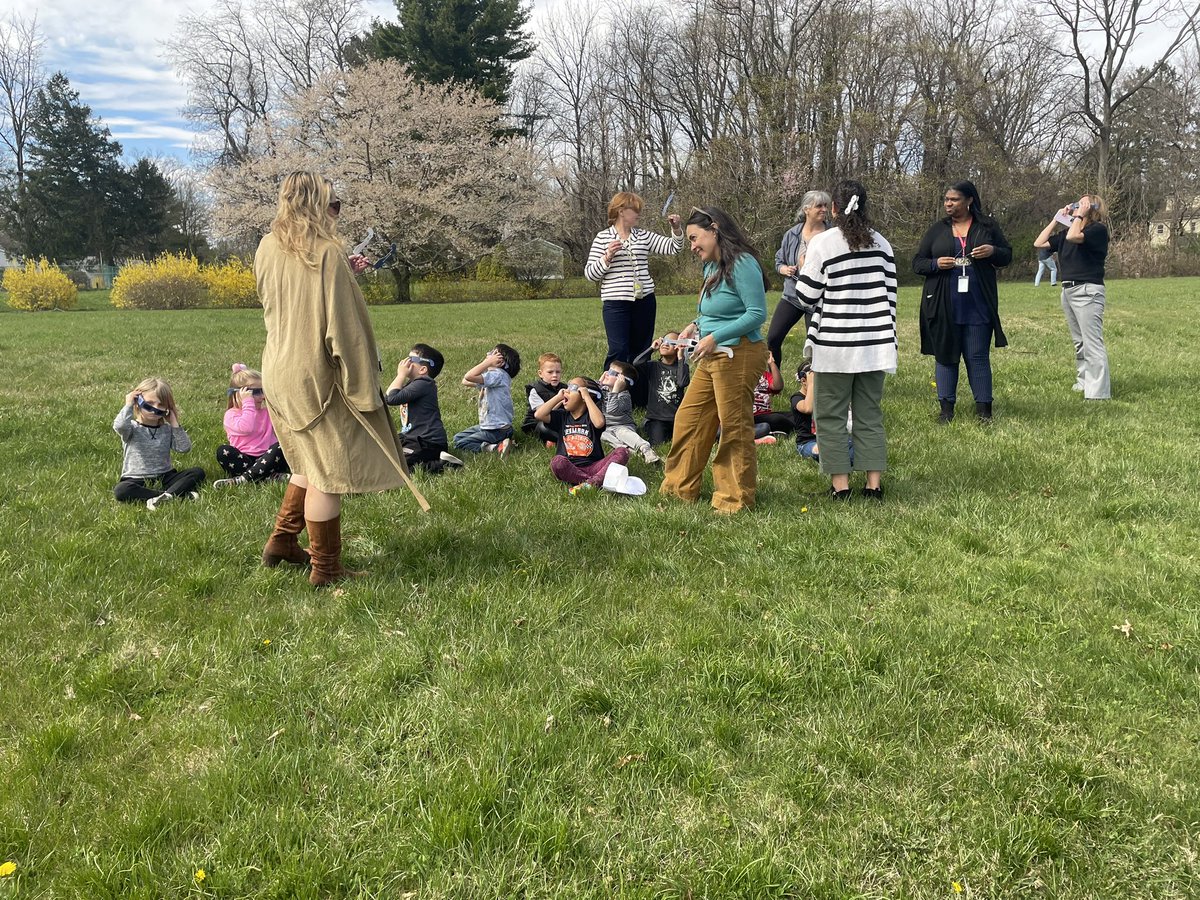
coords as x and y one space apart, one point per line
856 226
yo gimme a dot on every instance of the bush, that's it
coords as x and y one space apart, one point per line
378 286
231 285
80 279
169 282
40 285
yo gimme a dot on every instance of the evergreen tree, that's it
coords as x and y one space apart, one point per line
74 178
472 41
149 213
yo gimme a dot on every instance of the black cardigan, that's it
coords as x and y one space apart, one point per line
939 335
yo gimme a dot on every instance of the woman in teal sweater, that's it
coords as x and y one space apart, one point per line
733 306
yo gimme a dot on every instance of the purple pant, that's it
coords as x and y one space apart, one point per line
593 473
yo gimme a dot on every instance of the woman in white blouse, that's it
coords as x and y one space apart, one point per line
618 261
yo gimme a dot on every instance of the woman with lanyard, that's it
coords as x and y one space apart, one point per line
960 313
789 260
618 261
732 356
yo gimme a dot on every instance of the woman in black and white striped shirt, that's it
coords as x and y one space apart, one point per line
849 275
618 260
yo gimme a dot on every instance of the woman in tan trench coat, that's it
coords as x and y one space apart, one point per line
321 378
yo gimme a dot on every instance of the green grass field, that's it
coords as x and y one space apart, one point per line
535 695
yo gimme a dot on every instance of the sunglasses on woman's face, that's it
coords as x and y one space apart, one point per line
336 206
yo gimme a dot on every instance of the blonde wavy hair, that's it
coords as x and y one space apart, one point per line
302 216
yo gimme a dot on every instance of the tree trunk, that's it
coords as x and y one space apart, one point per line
403 275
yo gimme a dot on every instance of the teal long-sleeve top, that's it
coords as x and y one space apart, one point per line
734 308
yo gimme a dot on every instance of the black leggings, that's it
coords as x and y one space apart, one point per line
543 432
133 490
658 431
424 454
775 421
253 468
783 321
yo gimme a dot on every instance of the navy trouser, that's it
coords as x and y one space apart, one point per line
629 326
976 343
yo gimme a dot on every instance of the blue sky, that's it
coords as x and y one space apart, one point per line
111 50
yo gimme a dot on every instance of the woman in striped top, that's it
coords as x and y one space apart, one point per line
618 260
849 274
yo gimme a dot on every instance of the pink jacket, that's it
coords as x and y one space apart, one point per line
249 428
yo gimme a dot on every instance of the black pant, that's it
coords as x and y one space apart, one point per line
784 320
254 468
775 421
629 326
543 432
424 454
133 490
658 431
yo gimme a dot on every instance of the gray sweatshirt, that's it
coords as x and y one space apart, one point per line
618 409
148 448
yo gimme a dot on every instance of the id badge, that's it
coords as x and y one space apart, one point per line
964 284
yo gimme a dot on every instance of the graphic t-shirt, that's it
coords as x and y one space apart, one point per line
668 383
578 438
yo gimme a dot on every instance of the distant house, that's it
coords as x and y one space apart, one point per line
1171 221
5 259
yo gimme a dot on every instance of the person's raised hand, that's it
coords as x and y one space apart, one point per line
359 263
131 398
983 251
674 219
613 247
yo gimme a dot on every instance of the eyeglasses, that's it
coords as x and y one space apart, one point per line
257 392
420 360
618 374
702 212
151 408
336 206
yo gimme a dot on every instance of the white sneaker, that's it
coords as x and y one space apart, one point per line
156 502
651 457
193 495
503 447
228 482
450 460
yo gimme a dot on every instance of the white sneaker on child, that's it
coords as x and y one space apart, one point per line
450 460
228 482
651 457
156 502
503 447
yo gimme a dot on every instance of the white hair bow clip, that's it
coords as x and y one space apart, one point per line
853 204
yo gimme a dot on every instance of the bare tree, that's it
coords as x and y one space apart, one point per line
240 61
21 76
1101 36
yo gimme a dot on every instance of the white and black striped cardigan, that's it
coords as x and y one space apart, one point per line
628 275
854 325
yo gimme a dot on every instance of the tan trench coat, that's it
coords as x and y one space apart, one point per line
321 373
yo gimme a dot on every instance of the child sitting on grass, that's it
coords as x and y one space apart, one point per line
802 410
149 427
493 377
619 430
548 384
414 388
767 422
666 381
253 452
574 413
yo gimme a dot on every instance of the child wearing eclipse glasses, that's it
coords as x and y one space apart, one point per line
620 430
149 427
575 414
253 452
414 389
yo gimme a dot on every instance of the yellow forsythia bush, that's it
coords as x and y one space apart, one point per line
168 282
40 285
231 285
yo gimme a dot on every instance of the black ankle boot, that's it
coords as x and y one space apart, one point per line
984 411
947 414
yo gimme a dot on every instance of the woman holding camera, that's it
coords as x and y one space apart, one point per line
321 378
618 260
1082 250
960 311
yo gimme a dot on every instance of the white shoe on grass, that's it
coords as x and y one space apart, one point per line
156 502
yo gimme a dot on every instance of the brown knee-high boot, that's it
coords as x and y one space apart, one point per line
325 543
283 546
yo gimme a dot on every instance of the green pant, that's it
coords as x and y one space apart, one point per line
837 394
